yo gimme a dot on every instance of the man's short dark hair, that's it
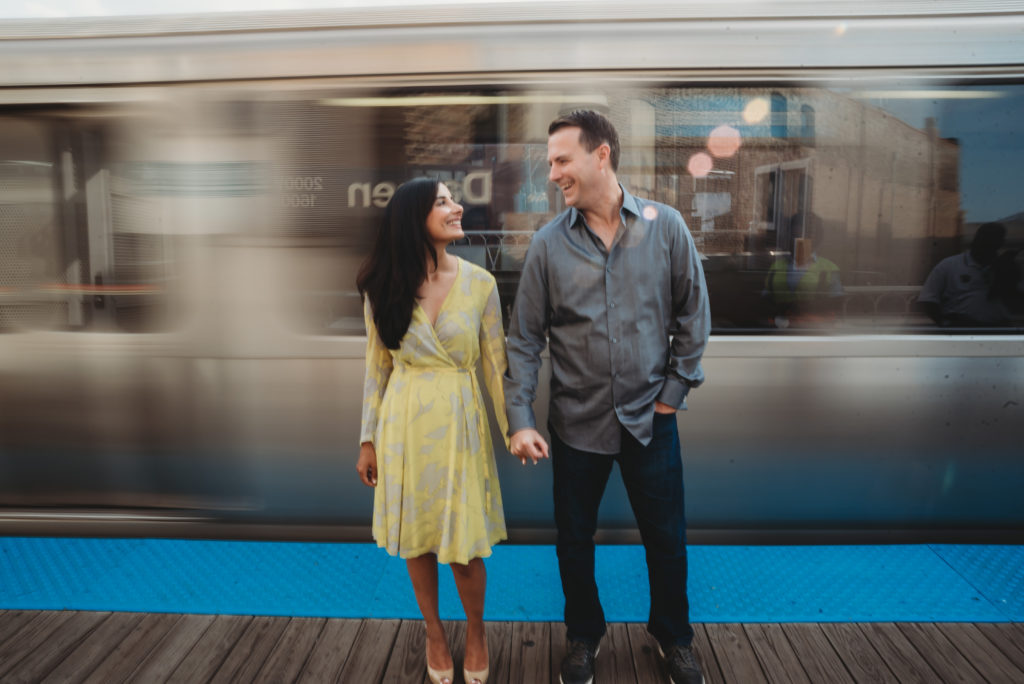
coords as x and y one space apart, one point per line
595 129
989 236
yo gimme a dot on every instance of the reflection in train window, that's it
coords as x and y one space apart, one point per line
814 209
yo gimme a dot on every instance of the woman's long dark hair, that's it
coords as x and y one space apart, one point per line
397 266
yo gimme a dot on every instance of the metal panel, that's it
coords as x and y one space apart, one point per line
543 43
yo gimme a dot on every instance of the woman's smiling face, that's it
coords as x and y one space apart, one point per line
444 222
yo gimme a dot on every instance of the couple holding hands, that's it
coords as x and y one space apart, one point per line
614 286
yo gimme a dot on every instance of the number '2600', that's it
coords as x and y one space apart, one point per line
308 183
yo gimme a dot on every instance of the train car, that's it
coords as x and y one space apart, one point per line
185 199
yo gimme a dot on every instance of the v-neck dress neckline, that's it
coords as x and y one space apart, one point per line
444 301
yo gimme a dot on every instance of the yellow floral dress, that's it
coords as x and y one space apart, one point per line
437 482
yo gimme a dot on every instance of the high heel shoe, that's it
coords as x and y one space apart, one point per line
478 677
441 676
446 676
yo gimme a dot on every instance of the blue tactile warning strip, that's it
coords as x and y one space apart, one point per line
919 583
997 572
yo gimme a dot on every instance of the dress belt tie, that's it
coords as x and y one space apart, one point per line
430 369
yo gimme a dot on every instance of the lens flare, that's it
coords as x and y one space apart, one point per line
755 110
699 165
724 141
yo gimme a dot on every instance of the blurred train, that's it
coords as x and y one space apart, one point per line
184 201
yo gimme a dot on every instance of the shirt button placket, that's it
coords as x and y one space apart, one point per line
613 327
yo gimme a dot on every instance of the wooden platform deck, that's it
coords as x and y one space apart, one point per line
49 646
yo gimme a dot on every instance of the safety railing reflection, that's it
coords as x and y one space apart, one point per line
495 250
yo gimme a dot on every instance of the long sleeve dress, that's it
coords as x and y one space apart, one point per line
437 482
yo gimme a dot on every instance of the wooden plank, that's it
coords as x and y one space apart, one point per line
53 646
129 654
499 652
95 648
331 651
812 647
899 654
648 665
614 665
735 655
557 642
289 655
408 661
859 656
1002 635
48 654
172 649
370 651
775 653
251 649
203 661
705 653
950 665
530 652
11 621
30 637
985 656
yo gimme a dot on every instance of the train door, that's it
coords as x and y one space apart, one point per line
71 255
34 246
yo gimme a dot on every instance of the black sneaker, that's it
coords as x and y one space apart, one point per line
578 664
683 667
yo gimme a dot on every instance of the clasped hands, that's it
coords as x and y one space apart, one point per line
528 444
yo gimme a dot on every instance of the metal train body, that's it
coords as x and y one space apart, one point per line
186 200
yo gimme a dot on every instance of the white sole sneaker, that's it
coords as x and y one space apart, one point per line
589 681
662 654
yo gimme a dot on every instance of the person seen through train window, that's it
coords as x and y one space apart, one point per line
803 288
425 443
969 289
606 284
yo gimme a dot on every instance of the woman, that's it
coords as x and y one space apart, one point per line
425 440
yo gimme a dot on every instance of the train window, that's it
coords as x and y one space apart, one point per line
815 209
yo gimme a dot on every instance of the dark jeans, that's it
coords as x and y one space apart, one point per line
653 476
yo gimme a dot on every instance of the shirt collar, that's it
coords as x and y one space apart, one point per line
970 261
629 203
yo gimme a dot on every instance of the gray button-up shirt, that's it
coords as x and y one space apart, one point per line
608 316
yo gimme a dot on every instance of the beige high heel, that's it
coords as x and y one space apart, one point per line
441 676
478 677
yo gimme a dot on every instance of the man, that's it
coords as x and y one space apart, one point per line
962 290
608 281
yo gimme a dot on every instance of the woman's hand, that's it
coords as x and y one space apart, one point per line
367 464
